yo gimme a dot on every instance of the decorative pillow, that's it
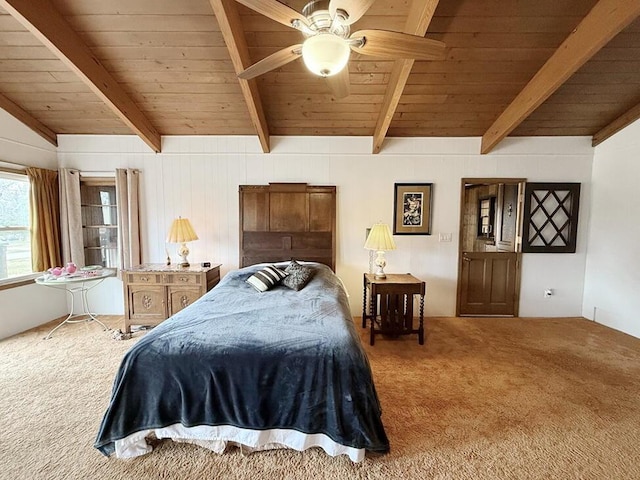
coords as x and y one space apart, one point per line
266 279
297 275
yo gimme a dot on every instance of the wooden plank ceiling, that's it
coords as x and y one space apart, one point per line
170 60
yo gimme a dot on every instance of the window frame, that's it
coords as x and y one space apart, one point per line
569 204
109 181
27 278
491 216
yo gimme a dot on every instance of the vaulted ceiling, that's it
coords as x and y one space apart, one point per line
167 67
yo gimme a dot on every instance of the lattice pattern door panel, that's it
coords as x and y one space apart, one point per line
550 217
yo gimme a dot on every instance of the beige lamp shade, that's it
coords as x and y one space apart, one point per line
181 231
380 238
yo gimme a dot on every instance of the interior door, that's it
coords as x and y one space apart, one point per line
489 254
488 283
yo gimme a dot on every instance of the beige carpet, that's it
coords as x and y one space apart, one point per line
484 398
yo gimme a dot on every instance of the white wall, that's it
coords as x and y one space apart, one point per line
24 307
21 145
613 264
198 178
28 306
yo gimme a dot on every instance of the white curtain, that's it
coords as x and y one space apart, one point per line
71 217
127 185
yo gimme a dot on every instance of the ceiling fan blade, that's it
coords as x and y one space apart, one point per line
395 45
354 8
339 83
275 11
275 60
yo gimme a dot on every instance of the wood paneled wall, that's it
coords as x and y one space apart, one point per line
198 178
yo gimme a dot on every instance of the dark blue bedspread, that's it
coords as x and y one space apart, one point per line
279 359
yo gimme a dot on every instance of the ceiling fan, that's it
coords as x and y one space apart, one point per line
329 41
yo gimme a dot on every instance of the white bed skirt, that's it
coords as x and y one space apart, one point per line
217 438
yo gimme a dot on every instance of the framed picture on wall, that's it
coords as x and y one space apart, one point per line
412 209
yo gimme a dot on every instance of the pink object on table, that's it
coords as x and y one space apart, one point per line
71 267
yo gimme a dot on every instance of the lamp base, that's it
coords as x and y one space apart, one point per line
183 252
380 264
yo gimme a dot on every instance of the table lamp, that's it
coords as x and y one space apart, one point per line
380 240
182 232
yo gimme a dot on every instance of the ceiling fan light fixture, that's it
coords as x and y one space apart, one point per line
325 54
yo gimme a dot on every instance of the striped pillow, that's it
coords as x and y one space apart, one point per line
266 279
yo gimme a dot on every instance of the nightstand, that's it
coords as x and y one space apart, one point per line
390 305
154 291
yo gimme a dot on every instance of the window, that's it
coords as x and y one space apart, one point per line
486 217
15 241
551 217
99 222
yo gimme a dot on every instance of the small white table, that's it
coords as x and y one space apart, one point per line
73 284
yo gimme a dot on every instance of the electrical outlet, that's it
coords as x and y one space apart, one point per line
444 237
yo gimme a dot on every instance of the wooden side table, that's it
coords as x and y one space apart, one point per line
390 302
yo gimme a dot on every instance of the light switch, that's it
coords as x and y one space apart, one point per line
444 237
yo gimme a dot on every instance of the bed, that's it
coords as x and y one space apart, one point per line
278 369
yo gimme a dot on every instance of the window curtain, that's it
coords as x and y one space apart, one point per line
71 217
44 207
127 187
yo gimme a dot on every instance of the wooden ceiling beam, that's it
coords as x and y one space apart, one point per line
627 118
418 21
605 20
42 19
26 118
231 27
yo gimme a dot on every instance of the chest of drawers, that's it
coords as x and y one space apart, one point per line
154 292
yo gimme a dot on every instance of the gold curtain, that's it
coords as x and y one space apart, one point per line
44 205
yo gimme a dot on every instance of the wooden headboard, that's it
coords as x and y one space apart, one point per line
284 221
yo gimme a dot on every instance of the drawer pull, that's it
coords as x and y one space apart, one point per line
144 279
184 279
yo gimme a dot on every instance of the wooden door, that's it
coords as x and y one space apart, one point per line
489 260
146 303
488 283
182 297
